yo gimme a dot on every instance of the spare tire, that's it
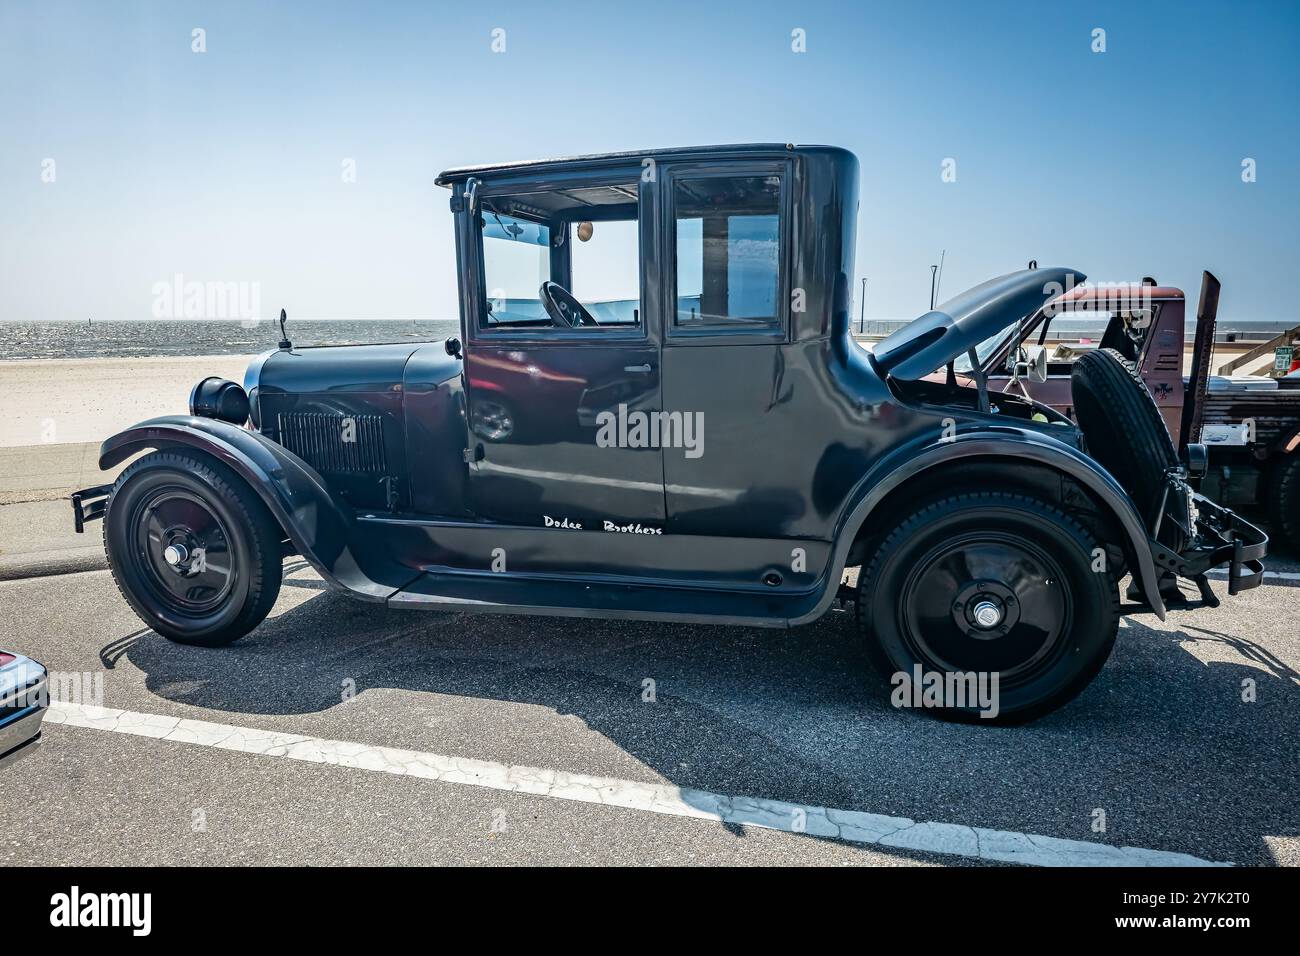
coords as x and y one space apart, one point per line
1126 433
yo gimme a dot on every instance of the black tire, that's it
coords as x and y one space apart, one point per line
1126 433
1059 617
186 506
1283 497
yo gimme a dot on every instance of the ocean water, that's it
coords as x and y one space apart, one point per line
61 340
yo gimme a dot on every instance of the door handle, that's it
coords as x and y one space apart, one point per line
640 369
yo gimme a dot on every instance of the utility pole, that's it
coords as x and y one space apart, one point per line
862 315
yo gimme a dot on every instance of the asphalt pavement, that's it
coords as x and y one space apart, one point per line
1160 753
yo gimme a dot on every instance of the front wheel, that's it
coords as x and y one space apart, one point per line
991 606
193 550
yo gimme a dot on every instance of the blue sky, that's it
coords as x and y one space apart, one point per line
226 165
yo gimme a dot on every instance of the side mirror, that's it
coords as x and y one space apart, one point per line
1036 363
585 231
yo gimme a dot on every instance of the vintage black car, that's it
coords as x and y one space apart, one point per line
656 410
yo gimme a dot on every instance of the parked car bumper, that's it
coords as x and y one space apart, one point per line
24 699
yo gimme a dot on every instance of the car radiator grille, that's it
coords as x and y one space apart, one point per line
331 442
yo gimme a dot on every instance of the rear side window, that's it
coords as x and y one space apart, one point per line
728 241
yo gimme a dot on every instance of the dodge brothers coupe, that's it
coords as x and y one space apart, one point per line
656 410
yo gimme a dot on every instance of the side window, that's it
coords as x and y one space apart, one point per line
583 240
728 251
606 267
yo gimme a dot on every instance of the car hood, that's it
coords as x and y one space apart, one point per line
961 323
352 368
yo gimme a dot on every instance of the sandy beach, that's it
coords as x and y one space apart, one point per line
85 400
56 413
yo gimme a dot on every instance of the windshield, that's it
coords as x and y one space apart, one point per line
1074 331
985 350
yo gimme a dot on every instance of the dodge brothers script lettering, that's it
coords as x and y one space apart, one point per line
634 528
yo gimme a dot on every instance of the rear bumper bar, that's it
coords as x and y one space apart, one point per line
89 504
1224 538
1242 546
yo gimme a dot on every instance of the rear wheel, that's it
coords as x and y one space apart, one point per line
193 550
990 584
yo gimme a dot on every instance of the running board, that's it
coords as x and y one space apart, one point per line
502 594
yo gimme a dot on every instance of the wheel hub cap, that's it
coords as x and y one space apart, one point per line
987 614
175 554
985 609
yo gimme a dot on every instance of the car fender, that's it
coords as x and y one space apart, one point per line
296 495
1002 442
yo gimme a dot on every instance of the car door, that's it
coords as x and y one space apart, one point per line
726 328
552 410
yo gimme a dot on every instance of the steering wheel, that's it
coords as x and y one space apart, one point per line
565 311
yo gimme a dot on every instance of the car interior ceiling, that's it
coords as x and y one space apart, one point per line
595 203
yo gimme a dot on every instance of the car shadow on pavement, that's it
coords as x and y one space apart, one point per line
1162 746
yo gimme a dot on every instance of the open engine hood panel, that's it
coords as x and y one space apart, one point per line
961 323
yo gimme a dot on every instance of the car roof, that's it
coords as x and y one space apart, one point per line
597 160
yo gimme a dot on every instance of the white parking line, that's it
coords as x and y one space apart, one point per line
852 826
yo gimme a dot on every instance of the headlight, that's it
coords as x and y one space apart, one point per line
221 399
